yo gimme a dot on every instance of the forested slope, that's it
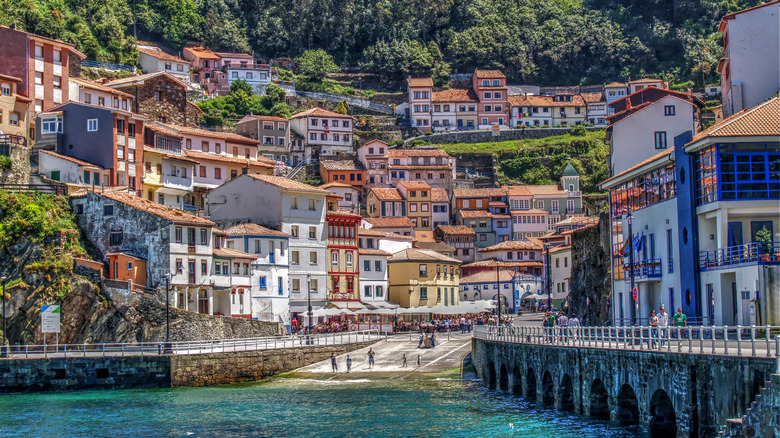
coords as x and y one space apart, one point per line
549 42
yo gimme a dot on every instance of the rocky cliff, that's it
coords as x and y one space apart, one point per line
590 286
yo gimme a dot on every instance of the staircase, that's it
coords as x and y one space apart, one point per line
34 177
763 416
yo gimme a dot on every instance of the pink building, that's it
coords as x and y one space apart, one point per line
493 106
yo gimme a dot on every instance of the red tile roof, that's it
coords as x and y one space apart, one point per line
615 85
133 80
227 136
474 214
375 232
97 86
491 263
151 207
515 245
339 165
439 195
67 158
319 112
202 52
268 118
232 253
10 78
422 255
289 184
373 251
253 230
390 222
386 194
733 15
459 230
760 121
159 54
233 55
455 95
592 97
663 155
397 153
337 184
420 82
260 162
504 276
518 191
414 185
652 94
489 74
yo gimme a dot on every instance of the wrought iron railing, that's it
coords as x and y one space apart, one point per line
13 139
752 341
748 253
650 268
107 65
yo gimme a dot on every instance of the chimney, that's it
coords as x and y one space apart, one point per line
245 169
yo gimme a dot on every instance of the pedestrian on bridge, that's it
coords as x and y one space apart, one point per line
371 355
663 322
653 328
333 362
403 361
349 363
419 360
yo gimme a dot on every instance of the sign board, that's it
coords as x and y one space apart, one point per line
50 319
496 130
635 294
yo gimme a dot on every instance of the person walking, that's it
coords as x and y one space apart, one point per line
663 323
349 363
333 362
403 361
563 323
419 360
468 325
371 355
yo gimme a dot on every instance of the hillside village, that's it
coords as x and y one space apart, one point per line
269 217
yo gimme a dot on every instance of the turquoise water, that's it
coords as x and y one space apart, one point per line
295 408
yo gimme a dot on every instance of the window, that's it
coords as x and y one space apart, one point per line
367 291
497 95
6 89
13 119
178 235
217 173
487 95
334 258
314 284
263 283
485 83
423 270
378 291
660 140
313 258
669 110
312 204
108 210
51 125
312 232
202 171
349 259
115 238
294 230
423 293
204 269
324 137
377 265
295 258
496 83
293 203
488 108
296 285
367 265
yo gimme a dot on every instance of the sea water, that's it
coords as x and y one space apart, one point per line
296 408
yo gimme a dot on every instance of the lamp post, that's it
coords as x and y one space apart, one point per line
168 347
498 291
308 287
635 306
4 351
547 276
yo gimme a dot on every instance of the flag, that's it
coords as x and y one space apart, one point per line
638 242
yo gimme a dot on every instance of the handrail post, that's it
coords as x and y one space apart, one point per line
726 339
641 337
768 351
739 340
679 340
753 340
701 339
714 330
690 339
777 353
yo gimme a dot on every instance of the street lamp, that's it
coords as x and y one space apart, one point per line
635 307
168 349
4 351
308 286
547 275
498 292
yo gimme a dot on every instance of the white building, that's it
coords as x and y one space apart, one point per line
85 91
348 195
420 96
324 133
71 170
749 72
612 92
258 77
639 131
294 208
270 285
373 268
440 207
152 60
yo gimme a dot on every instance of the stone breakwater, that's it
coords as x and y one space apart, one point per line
165 371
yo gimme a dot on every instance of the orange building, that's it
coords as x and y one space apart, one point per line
342 243
124 266
345 172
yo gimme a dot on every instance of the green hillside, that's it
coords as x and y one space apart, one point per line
548 42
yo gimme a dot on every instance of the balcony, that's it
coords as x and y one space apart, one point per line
645 270
13 139
740 255
178 182
570 211
574 194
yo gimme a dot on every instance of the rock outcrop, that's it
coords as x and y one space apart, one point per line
590 286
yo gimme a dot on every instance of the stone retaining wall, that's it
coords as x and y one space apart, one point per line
762 418
224 368
485 136
73 373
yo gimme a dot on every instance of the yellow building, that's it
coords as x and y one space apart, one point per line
417 195
14 121
168 178
420 277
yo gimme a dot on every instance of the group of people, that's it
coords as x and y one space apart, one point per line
334 365
333 326
661 320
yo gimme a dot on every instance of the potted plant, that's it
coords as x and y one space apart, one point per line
764 243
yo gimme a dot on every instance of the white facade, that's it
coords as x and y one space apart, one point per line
151 63
190 251
70 170
373 272
597 113
649 131
258 78
83 91
749 70
614 92
270 286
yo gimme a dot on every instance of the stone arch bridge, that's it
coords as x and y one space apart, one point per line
671 394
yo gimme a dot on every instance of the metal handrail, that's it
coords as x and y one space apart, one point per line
747 341
188 347
754 252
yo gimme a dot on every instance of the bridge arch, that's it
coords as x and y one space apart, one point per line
599 400
663 420
627 406
530 384
503 379
548 389
566 392
517 381
491 375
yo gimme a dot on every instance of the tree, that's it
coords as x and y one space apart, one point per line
275 94
316 64
342 107
241 85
